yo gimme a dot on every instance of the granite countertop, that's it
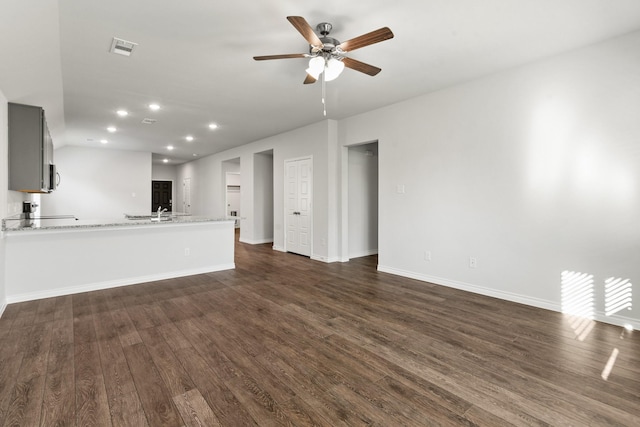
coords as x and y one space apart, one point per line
16 223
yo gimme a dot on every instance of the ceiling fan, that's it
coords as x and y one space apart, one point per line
327 55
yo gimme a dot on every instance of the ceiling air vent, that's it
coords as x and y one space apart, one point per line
122 47
148 121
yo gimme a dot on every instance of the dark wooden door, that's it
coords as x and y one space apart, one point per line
161 195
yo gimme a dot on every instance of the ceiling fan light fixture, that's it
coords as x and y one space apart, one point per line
316 66
334 69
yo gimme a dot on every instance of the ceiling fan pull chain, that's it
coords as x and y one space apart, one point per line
324 91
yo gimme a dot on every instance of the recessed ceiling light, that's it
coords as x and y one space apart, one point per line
154 107
111 129
188 138
165 161
169 147
122 113
213 126
103 141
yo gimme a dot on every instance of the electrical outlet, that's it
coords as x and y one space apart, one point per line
187 252
427 255
473 262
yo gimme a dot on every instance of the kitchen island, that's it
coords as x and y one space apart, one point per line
52 257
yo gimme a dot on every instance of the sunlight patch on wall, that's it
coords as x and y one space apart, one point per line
578 301
568 154
617 295
551 133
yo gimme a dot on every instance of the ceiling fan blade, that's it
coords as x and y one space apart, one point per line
354 64
305 29
376 36
286 56
309 79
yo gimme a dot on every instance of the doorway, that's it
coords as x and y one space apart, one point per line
232 189
161 195
362 204
233 196
298 207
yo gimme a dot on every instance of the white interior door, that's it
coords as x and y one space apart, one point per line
298 206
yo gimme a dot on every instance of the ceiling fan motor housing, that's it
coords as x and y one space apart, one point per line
324 28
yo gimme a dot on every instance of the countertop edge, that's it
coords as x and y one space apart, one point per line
113 224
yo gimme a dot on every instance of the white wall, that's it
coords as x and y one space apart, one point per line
100 184
534 171
10 201
4 197
164 172
363 200
263 197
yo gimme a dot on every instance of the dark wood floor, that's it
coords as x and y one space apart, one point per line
286 340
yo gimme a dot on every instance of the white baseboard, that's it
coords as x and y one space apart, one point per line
363 253
326 259
278 248
256 242
114 283
2 307
507 296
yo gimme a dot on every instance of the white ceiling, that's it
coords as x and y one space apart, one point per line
194 58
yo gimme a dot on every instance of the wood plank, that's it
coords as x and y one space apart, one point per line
173 336
194 410
91 406
58 401
124 401
45 310
174 377
126 329
26 401
64 308
156 400
12 353
210 351
219 398
262 407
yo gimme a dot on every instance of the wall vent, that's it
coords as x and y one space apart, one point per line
148 121
122 47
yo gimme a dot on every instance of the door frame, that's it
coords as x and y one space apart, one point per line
344 217
173 191
186 195
284 205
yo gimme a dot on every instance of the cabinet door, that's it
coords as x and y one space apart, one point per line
48 181
26 161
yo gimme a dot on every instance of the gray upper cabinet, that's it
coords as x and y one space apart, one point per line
31 166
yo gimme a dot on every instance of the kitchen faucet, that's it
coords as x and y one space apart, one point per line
161 211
